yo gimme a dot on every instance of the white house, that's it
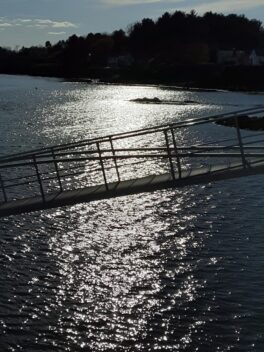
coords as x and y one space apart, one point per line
239 57
255 59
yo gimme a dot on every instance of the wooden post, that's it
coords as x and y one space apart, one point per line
244 161
176 153
169 154
113 152
3 188
102 164
57 169
39 178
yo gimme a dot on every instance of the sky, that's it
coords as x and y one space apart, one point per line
33 22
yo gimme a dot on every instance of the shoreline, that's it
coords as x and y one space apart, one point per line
139 84
176 86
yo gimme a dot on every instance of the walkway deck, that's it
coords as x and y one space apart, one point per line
123 188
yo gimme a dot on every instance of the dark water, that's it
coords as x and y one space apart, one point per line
175 270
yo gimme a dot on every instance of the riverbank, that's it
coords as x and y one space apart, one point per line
207 77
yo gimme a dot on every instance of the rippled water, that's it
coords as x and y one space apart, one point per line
174 270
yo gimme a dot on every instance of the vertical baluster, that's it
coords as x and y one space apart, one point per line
3 188
102 164
176 153
169 154
39 178
115 161
244 162
57 169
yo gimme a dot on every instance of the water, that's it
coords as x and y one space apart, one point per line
175 270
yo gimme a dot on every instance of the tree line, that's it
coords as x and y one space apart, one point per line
173 39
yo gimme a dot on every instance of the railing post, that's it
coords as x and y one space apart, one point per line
39 178
56 168
244 162
113 152
3 188
169 154
102 164
176 153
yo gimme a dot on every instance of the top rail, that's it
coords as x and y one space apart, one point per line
46 170
129 134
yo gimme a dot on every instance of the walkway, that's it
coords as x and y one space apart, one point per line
57 166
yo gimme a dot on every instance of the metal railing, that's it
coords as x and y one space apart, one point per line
67 166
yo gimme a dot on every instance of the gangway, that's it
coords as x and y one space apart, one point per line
126 163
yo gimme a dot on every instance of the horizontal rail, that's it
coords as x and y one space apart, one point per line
133 156
117 150
152 149
139 132
63 162
160 128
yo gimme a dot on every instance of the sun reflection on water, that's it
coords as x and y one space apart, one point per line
164 271
115 273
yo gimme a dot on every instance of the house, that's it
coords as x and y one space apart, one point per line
240 57
256 59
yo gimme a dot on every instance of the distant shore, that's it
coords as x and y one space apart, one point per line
134 84
206 78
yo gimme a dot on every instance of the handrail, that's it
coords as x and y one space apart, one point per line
132 156
140 132
192 149
59 162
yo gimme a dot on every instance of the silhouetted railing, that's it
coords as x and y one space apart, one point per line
74 165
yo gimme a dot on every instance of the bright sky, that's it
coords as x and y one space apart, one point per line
33 22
